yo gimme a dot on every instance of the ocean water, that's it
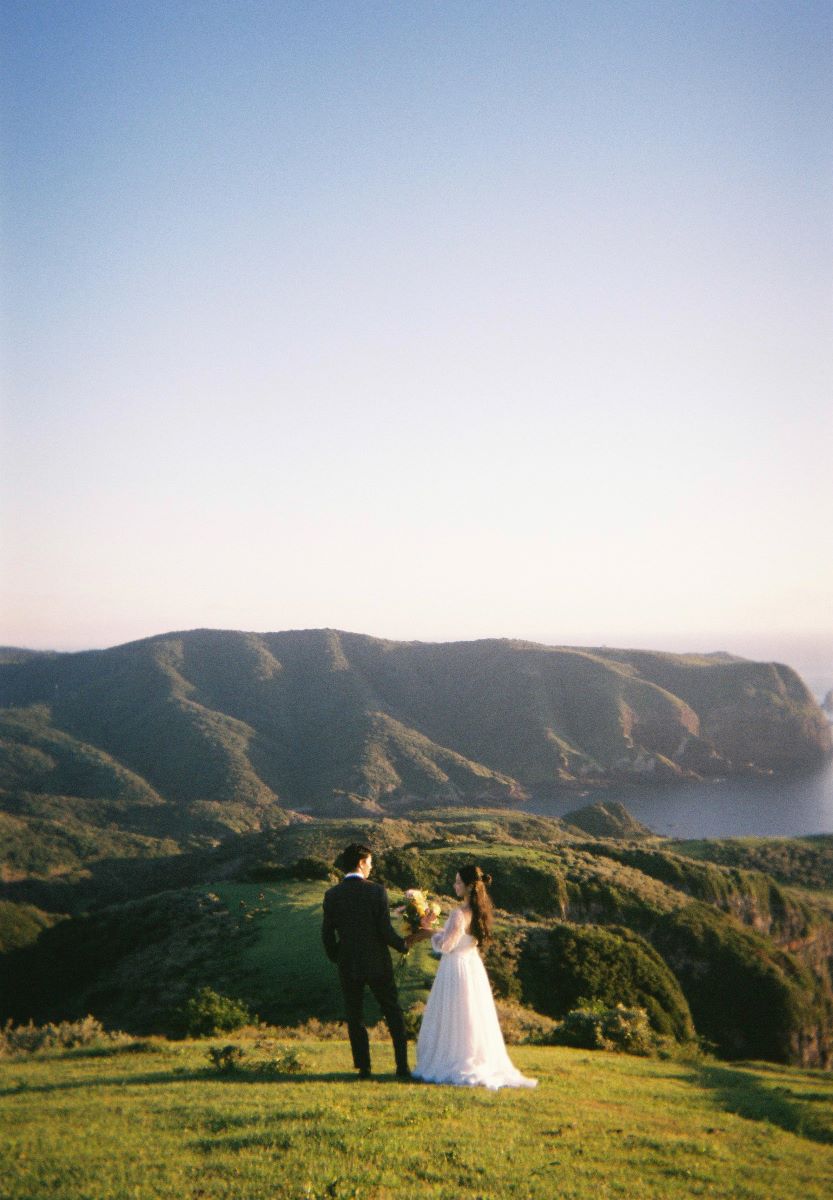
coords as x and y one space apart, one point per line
727 808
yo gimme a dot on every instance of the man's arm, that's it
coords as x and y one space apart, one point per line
384 928
328 933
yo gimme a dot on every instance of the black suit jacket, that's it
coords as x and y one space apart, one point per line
357 931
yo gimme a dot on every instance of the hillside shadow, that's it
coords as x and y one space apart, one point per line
741 1093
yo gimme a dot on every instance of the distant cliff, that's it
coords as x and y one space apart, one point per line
211 730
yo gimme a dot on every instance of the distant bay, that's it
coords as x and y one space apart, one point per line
785 807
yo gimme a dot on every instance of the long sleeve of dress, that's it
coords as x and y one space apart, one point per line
447 938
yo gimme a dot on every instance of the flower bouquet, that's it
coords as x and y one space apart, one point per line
418 911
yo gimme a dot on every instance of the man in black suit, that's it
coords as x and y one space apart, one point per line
356 933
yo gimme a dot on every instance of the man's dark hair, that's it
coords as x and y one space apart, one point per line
353 855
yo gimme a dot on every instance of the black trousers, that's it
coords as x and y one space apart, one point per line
383 988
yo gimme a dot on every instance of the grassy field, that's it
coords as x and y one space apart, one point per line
158 1123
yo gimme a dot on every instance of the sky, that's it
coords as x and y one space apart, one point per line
424 320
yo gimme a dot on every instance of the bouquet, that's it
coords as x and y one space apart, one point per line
418 911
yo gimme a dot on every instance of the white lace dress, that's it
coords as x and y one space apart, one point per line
460 1041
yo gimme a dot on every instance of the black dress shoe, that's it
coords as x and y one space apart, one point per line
365 1074
405 1076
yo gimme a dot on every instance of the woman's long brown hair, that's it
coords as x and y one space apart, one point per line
481 904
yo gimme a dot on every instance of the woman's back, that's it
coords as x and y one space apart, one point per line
460 1041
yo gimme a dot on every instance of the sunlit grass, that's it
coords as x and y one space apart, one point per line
161 1125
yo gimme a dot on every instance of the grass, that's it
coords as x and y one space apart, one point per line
160 1125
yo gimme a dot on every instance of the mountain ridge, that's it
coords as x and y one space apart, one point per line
235 729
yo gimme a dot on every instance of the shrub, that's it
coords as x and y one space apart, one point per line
598 1028
312 868
500 958
134 964
747 996
21 924
286 1061
226 1058
27 1039
576 964
208 1013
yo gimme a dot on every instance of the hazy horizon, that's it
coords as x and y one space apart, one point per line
428 321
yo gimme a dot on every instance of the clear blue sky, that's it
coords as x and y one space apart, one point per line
428 320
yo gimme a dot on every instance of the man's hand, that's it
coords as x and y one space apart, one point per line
419 935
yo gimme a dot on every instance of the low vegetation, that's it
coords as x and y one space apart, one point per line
570 966
805 862
717 951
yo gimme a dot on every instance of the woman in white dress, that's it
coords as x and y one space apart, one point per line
460 1040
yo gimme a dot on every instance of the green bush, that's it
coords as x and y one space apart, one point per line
286 1061
572 965
500 957
312 867
226 1059
134 965
597 1028
747 996
208 1013
21 924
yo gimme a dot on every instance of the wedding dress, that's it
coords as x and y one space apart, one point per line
460 1040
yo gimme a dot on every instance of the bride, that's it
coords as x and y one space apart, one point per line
460 1040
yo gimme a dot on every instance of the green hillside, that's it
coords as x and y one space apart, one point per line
724 952
801 862
159 1124
134 965
195 735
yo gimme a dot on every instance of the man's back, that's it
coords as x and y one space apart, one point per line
357 931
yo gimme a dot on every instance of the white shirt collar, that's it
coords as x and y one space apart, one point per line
354 875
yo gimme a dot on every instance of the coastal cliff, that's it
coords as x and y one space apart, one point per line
211 730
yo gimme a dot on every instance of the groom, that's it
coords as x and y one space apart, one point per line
356 933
